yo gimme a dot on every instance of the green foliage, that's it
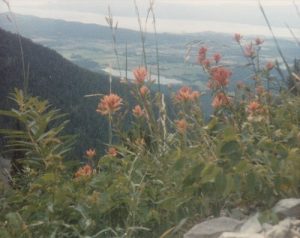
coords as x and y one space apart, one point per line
146 193
161 173
38 138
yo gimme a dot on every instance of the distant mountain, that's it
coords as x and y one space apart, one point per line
89 46
36 27
61 82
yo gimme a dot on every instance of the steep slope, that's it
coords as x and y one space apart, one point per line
61 82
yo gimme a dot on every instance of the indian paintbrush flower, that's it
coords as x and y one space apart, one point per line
90 153
220 77
237 37
84 171
109 104
187 94
112 152
181 126
138 111
140 75
217 57
220 100
144 91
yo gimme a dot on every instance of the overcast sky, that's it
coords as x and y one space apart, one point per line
173 15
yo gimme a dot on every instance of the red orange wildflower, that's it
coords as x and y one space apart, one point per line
217 57
140 75
220 100
138 111
202 54
112 152
220 76
249 51
90 153
259 41
109 104
187 94
269 65
206 63
144 91
253 107
181 126
237 37
84 171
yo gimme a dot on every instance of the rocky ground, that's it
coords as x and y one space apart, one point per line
286 212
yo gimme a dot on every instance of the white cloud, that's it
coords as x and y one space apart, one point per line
226 2
172 15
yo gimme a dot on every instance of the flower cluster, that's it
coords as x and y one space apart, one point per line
253 107
220 100
138 111
140 75
249 50
90 153
269 66
206 62
256 112
109 104
219 77
84 171
238 37
202 55
181 126
144 90
217 57
112 152
186 94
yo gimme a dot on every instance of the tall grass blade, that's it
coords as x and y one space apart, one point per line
275 39
12 18
142 33
151 9
293 34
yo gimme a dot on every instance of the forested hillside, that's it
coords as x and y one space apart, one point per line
59 81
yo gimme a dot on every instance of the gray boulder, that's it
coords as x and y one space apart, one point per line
214 228
281 230
288 208
241 235
252 225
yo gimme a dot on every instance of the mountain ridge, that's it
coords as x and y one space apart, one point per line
58 80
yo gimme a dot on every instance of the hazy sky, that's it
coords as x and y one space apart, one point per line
173 15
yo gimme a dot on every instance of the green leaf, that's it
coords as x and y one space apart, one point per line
4 233
230 149
15 221
229 134
209 173
212 124
230 186
49 177
193 176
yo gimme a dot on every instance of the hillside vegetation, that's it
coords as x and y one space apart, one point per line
61 82
159 173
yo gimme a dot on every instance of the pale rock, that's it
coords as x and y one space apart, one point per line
213 228
240 235
288 208
282 230
266 227
252 225
237 213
